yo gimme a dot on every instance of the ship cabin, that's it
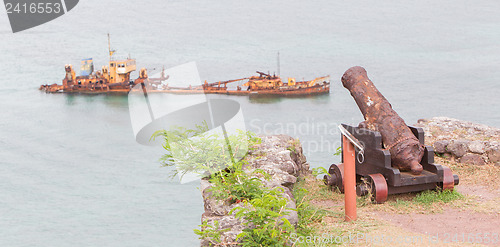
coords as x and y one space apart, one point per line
263 81
119 70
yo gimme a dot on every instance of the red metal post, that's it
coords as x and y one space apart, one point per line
349 179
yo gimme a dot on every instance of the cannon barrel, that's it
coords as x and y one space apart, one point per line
406 151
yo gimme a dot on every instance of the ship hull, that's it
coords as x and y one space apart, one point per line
313 90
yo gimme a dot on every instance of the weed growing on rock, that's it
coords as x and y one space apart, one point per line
212 233
235 185
264 209
201 152
265 223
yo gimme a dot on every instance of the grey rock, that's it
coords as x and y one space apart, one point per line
458 148
493 154
230 233
493 144
472 159
291 215
216 207
227 221
458 129
440 146
464 137
476 147
204 184
421 121
232 225
279 156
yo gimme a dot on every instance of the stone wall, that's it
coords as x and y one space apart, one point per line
280 156
464 141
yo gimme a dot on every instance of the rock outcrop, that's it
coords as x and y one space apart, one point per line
281 157
463 141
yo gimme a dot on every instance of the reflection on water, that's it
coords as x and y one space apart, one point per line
115 100
70 98
271 99
262 99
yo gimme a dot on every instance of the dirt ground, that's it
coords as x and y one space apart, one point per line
450 225
478 222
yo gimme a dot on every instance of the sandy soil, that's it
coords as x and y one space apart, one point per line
478 224
451 225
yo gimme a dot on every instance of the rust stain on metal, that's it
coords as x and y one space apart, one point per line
406 151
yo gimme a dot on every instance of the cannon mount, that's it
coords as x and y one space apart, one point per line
376 175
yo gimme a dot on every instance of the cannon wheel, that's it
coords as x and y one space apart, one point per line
378 187
335 177
448 179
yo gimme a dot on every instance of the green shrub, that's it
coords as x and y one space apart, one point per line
265 223
194 151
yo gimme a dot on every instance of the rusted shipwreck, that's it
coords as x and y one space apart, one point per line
116 78
263 84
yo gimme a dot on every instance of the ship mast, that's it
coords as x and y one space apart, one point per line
278 64
109 51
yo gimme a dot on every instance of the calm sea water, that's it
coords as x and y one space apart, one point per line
71 173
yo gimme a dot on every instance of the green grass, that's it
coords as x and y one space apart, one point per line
439 155
425 202
431 196
400 204
308 214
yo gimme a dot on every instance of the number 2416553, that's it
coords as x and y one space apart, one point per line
33 8
483 238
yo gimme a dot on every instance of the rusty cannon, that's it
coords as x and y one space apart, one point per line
406 151
393 158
